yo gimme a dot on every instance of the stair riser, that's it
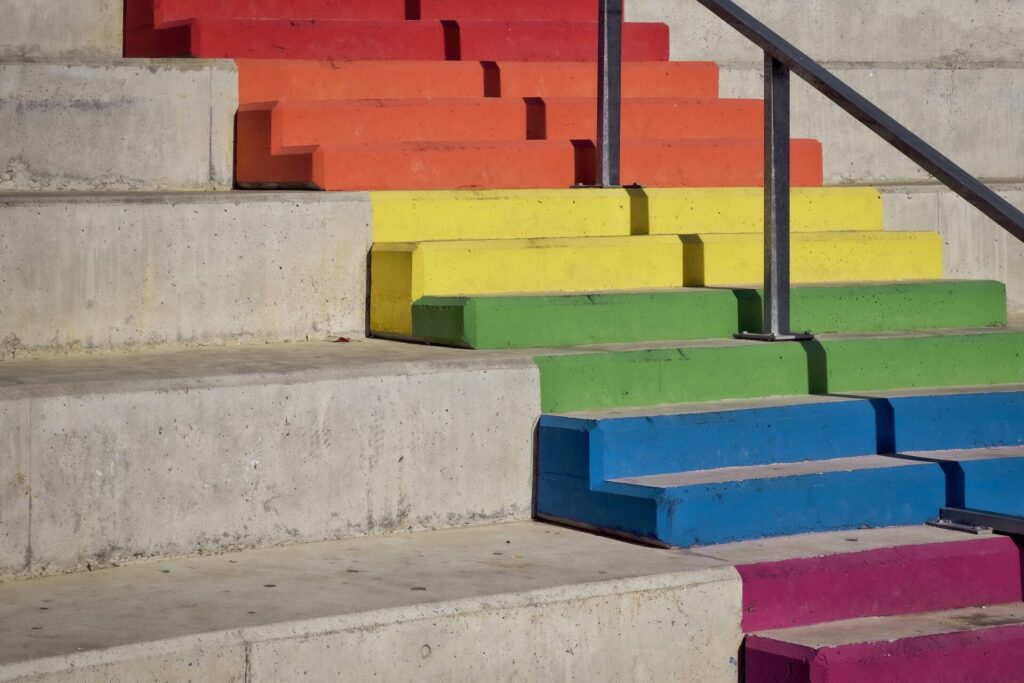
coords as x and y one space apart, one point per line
309 38
885 582
633 447
524 165
499 322
482 214
991 654
505 119
758 508
644 378
275 80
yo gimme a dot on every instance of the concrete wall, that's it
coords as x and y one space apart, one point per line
61 30
111 459
102 272
140 125
904 31
975 247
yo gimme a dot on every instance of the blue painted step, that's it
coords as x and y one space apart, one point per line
712 476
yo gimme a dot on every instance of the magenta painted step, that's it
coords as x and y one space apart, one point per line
973 645
884 582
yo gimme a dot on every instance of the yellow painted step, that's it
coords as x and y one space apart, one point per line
402 273
525 214
714 260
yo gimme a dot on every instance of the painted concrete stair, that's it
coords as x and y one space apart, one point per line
498 322
932 612
721 473
315 30
972 644
629 376
277 80
403 273
298 123
514 164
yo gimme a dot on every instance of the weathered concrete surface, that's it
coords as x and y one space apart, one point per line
15 509
969 114
975 247
843 31
165 454
517 601
105 271
140 125
66 30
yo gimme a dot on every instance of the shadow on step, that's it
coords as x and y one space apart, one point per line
885 423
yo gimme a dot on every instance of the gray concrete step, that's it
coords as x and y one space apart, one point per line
117 125
520 601
113 458
88 272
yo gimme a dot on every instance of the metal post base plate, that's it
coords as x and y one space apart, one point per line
962 519
759 336
965 528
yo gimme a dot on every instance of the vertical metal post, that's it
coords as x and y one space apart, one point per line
609 93
776 206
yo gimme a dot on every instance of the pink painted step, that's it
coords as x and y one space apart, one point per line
165 11
884 582
972 645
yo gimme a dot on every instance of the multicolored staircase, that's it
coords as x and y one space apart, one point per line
471 121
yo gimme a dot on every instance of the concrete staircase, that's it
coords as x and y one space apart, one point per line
207 471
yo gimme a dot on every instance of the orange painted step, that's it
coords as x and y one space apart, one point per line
368 121
698 80
419 165
271 80
555 41
506 10
649 118
515 165
297 123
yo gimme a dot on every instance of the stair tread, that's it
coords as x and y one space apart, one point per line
737 404
811 467
893 628
278 592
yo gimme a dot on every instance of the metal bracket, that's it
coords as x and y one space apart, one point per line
978 522
769 337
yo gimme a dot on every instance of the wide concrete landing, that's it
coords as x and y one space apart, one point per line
110 458
520 601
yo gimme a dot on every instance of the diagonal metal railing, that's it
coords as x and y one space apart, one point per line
781 59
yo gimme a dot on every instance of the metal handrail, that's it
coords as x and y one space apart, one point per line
781 58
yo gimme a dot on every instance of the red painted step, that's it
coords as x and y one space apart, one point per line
342 40
512 165
504 10
530 41
975 645
883 582
165 11
271 80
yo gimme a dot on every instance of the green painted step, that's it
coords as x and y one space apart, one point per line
729 369
502 322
